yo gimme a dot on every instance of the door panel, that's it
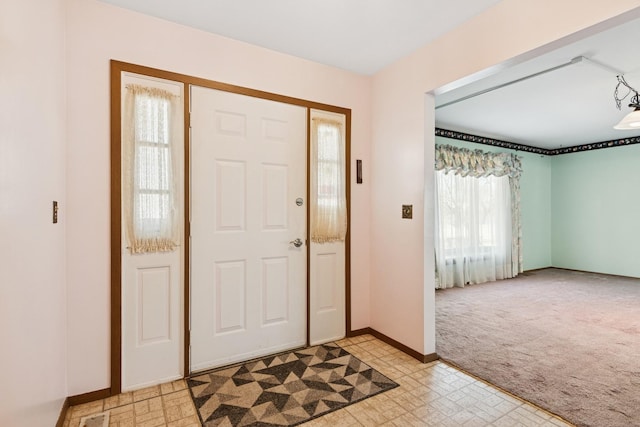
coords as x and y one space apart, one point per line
327 277
248 284
154 304
275 290
230 296
327 304
275 179
152 289
230 195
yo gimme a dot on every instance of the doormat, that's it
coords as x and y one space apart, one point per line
286 389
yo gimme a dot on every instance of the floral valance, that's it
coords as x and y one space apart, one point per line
477 163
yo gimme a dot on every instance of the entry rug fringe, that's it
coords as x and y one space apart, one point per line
286 389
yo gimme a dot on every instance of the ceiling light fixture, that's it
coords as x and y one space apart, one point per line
631 120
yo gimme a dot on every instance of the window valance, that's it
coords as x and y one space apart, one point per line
478 163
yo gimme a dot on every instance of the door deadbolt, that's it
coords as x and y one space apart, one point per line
299 201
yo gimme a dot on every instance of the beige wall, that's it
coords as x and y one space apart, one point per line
402 279
97 33
32 249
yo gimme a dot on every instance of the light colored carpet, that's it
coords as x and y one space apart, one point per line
566 341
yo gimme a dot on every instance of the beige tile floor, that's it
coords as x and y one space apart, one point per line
432 394
168 404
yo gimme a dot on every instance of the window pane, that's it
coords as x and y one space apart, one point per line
472 210
152 167
328 137
327 166
152 163
153 206
152 120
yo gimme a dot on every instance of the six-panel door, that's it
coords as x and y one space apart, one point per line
248 282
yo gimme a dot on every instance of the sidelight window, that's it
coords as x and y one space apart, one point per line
149 191
328 194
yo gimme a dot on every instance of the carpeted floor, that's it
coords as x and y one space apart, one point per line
286 389
566 341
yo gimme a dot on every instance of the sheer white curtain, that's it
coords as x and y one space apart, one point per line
477 216
328 192
473 229
149 190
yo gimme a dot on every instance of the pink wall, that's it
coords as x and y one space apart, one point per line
392 133
97 33
32 251
52 118
402 279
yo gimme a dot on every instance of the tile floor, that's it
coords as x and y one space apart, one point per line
168 404
433 394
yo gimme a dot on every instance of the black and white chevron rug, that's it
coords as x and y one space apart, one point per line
286 389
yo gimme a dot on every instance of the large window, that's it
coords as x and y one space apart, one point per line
476 218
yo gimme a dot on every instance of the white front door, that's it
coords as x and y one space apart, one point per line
248 282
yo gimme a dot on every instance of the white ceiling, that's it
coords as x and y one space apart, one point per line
570 106
357 35
567 107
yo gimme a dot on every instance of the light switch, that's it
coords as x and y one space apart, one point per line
407 211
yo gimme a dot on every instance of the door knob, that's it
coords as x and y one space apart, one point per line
297 243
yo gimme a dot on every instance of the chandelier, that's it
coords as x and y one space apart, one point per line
631 120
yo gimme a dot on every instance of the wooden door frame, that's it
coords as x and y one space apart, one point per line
116 69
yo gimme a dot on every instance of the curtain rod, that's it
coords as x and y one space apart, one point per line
576 60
